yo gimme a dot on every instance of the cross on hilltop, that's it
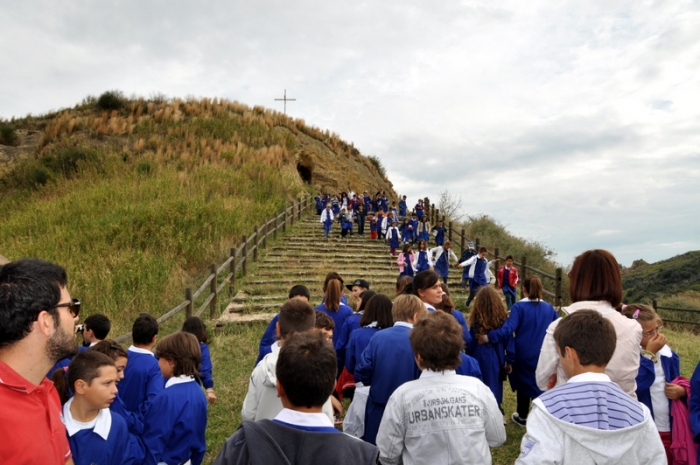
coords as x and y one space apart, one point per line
285 100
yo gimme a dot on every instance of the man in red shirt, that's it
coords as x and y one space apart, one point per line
37 328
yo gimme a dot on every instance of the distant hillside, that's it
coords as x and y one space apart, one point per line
644 282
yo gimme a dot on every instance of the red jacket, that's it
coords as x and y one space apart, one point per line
512 277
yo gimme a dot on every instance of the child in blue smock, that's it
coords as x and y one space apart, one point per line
418 209
488 314
393 237
439 233
95 434
405 261
477 272
327 220
441 262
335 308
423 261
176 421
195 325
403 207
413 228
406 231
423 231
319 204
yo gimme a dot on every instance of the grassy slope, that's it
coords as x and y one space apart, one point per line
667 277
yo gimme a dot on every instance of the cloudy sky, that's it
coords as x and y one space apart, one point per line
573 123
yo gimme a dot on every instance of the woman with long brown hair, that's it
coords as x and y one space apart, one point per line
489 313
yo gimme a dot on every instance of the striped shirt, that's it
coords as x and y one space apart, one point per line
593 401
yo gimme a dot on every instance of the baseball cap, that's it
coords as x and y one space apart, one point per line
358 282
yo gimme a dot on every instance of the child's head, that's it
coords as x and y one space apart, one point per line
408 308
446 305
424 218
179 354
334 292
300 291
651 322
404 197
414 216
363 298
393 223
470 245
329 276
595 275
144 330
509 261
584 340
325 324
437 341
439 222
447 245
306 371
195 325
533 287
296 315
422 244
328 205
378 309
358 287
393 203
488 311
404 285
406 248
96 328
93 377
114 351
405 221
482 252
426 285
343 210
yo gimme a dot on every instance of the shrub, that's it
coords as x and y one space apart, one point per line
8 136
111 100
378 164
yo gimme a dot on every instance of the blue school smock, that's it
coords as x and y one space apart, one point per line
142 381
466 255
694 404
89 447
368 203
406 232
319 203
491 357
407 269
269 337
393 237
422 261
402 207
425 234
358 342
339 317
134 421
383 204
442 266
440 236
175 424
335 208
349 326
328 222
469 367
479 278
386 363
647 375
205 367
419 211
529 320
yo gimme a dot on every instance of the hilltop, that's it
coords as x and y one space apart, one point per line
679 274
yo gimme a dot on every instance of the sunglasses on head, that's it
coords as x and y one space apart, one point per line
73 306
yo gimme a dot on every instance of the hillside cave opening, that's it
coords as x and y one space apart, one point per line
305 173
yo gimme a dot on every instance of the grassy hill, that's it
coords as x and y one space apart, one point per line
665 278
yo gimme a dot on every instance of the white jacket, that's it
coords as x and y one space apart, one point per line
440 418
622 368
439 250
326 214
261 401
550 441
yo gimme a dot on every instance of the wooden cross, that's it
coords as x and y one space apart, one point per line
285 100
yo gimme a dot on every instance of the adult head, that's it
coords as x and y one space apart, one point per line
595 276
426 285
37 316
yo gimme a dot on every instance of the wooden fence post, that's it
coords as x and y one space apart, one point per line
232 269
265 229
274 231
212 288
256 233
299 212
461 241
524 265
450 232
291 217
495 252
284 215
190 306
653 304
557 288
244 265
476 244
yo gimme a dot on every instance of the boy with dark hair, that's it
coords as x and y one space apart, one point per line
441 417
325 324
261 401
300 433
96 328
508 281
269 337
467 253
478 268
142 377
589 418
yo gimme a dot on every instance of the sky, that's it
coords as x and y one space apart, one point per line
574 124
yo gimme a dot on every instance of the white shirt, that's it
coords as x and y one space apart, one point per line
659 401
102 423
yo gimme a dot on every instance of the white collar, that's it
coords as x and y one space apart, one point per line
179 380
92 344
589 377
666 351
429 307
602 306
275 347
403 323
294 417
139 350
102 422
371 325
428 373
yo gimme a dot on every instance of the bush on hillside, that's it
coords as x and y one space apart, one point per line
111 100
378 164
8 136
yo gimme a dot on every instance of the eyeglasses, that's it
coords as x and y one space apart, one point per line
653 332
73 306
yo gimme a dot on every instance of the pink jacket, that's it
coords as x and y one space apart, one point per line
402 260
683 448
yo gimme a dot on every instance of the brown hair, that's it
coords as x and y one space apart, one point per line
378 309
111 349
182 349
365 296
488 312
195 325
329 276
446 305
646 313
86 366
533 287
296 315
323 321
404 284
589 334
483 249
306 369
333 294
595 275
407 305
438 340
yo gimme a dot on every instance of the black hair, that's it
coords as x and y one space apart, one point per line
424 280
28 287
99 324
299 291
195 325
144 329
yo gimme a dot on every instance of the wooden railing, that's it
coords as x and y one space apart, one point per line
237 261
671 309
433 215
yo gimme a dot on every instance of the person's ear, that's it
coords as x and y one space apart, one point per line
80 386
155 338
571 354
280 390
277 329
46 323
